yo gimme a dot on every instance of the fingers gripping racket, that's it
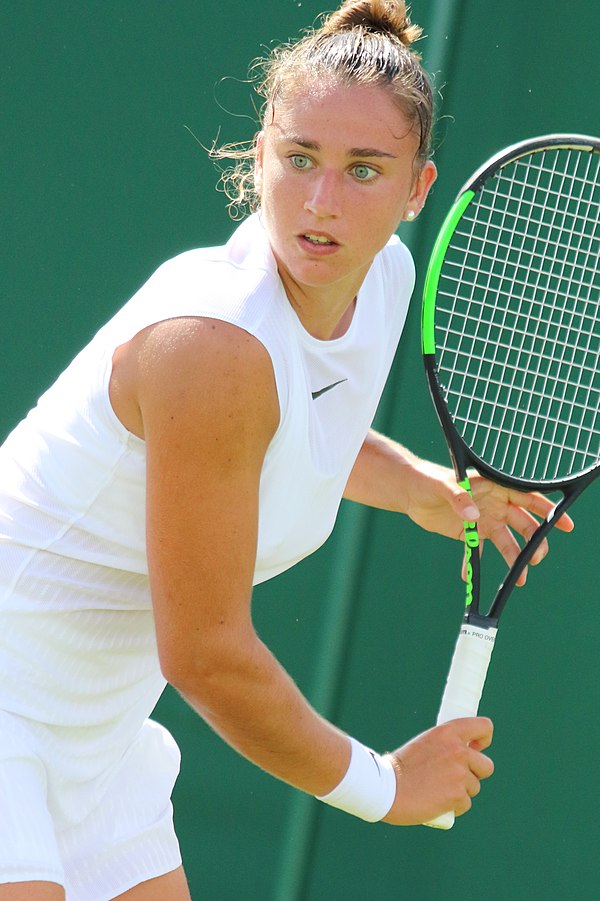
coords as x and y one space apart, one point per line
511 344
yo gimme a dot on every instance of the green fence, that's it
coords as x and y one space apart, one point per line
104 106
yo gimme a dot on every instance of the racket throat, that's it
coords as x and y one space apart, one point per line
530 548
479 621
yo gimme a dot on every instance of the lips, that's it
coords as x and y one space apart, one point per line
317 238
317 242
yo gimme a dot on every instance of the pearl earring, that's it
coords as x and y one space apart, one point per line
410 215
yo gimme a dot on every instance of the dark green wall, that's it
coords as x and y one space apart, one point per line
101 181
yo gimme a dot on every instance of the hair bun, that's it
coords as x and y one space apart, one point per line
383 16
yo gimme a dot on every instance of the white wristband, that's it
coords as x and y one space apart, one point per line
368 789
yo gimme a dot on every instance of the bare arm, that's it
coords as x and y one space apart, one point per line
388 476
208 405
202 395
381 473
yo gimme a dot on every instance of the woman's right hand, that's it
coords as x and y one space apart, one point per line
440 771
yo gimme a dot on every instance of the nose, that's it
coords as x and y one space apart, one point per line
324 200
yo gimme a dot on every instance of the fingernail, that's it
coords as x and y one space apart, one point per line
471 512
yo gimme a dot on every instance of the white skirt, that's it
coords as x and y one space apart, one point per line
126 838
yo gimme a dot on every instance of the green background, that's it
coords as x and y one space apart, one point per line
101 181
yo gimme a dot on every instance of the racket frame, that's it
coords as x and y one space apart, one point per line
461 454
469 665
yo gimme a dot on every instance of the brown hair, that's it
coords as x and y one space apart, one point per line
364 42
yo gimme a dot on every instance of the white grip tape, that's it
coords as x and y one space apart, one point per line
464 686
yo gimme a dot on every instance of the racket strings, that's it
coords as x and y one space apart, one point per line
518 319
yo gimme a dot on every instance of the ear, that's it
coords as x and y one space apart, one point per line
258 163
421 188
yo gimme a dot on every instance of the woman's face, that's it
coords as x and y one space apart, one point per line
336 172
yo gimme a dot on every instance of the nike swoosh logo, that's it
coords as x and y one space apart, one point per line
321 391
375 762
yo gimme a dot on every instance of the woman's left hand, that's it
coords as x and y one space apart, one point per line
438 504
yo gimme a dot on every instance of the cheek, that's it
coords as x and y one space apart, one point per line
271 185
393 208
279 195
382 216
377 222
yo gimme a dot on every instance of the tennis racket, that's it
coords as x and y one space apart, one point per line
511 345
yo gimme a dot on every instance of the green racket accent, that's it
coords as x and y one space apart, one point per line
471 544
434 268
511 342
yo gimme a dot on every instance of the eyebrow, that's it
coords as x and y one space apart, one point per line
357 152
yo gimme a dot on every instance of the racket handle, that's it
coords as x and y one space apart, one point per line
464 686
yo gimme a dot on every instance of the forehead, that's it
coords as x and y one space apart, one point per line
352 115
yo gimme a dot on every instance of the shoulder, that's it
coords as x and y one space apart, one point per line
396 263
181 356
245 255
197 342
186 369
236 282
389 285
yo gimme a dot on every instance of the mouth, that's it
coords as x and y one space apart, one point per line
317 239
318 243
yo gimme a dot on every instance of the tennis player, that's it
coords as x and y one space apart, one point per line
201 443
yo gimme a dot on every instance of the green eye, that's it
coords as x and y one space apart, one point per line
299 161
364 172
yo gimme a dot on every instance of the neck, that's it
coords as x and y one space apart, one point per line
326 311
322 320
